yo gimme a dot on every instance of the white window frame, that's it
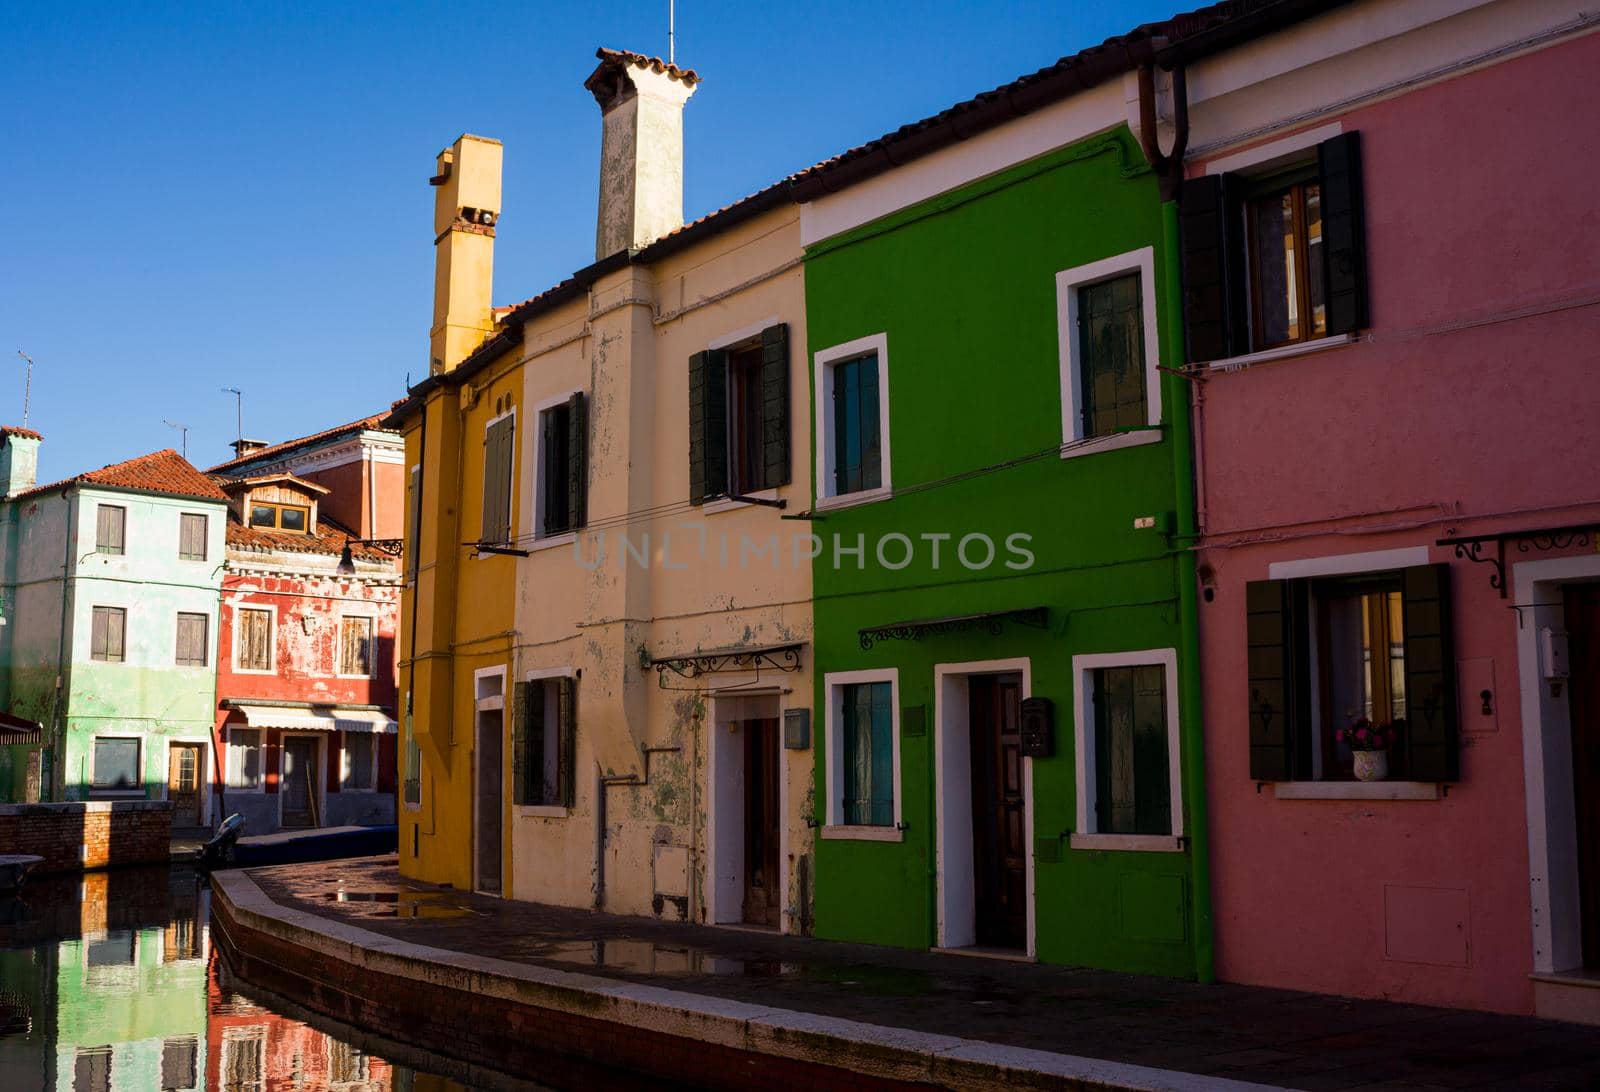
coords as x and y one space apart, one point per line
511 489
346 783
272 638
372 650
824 360
835 827
95 790
1068 284
542 541
552 715
1084 835
227 758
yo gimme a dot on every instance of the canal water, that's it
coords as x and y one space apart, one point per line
109 982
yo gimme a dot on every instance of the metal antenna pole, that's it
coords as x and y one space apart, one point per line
238 413
27 387
672 19
183 429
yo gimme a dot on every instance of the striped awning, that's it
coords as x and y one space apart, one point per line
15 729
327 718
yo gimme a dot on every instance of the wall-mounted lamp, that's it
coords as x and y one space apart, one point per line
394 547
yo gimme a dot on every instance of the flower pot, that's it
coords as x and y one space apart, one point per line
1371 765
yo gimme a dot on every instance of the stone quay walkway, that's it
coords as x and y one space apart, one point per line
1006 1022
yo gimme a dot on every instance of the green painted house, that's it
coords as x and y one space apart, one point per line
1006 755
109 586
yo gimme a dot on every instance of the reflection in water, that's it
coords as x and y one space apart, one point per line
109 983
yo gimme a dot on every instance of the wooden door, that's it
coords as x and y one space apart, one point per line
1583 628
490 728
183 783
999 840
763 894
299 784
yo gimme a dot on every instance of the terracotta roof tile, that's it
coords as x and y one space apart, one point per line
612 58
369 423
18 430
329 538
159 472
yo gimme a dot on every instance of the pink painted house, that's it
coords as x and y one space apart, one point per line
1392 287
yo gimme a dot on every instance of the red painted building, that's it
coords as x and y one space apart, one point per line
252 1049
306 683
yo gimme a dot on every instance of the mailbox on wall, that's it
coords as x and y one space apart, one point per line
1038 727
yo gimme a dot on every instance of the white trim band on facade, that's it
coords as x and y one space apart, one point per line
317 720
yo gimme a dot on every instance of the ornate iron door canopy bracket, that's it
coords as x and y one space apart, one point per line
991 623
693 665
1471 547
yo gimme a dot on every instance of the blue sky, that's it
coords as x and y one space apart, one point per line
236 196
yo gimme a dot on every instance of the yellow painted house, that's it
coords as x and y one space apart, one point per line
606 631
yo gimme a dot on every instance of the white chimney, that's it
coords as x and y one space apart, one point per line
641 149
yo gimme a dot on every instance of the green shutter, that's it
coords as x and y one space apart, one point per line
708 425
1272 691
1212 225
522 754
566 759
775 405
1430 736
577 461
1344 249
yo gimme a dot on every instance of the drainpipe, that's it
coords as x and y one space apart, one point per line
1169 172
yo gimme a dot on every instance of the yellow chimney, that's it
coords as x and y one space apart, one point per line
466 207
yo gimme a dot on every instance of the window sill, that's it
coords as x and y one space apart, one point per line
550 542
863 834
850 500
542 811
1072 449
1132 843
116 794
1282 352
253 671
728 504
1356 790
243 791
413 808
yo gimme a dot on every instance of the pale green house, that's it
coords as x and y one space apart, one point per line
109 587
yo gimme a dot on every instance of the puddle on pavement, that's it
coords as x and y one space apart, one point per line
406 904
649 957
646 957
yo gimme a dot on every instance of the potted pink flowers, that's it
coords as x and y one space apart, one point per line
1369 745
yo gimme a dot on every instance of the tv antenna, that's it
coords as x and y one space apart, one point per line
183 429
672 18
27 387
238 414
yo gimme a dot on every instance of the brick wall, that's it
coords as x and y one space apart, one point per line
73 837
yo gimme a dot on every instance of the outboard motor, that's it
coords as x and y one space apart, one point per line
218 852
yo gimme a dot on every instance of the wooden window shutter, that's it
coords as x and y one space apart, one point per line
98 630
116 632
1212 231
414 531
497 482
708 425
566 758
1344 245
192 537
775 405
1270 615
108 532
524 756
1429 739
577 461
